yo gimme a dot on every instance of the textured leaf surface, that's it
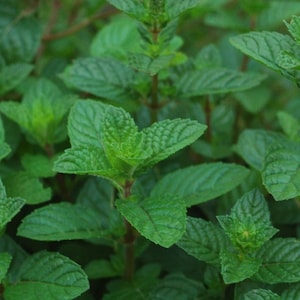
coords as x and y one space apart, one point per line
169 136
5 260
175 8
203 240
215 81
176 287
12 75
101 77
62 221
294 27
261 294
281 171
253 144
131 7
48 276
198 184
264 47
84 125
160 219
20 41
280 261
28 187
236 268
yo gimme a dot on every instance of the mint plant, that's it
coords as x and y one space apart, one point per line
149 149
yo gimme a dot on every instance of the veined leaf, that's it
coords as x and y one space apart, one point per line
103 77
131 7
215 81
281 171
261 294
280 261
12 75
5 260
198 184
264 46
167 137
290 125
176 287
62 221
48 276
84 124
174 8
294 28
252 145
236 268
28 187
160 219
203 240
292 292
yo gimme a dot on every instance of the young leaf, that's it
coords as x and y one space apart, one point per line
294 28
48 276
248 226
203 240
198 184
281 173
28 187
280 261
160 219
252 145
261 294
5 260
131 7
103 77
12 75
215 81
236 267
167 137
62 221
174 8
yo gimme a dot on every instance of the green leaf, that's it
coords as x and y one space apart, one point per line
102 268
198 184
294 28
252 145
160 219
9 207
290 125
121 140
261 294
19 41
38 165
85 160
48 276
102 77
84 124
176 287
117 39
215 81
28 187
169 136
236 267
280 261
12 75
148 64
281 172
131 7
62 221
265 47
5 260
203 240
174 8
292 292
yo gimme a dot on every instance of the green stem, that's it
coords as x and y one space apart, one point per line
129 240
